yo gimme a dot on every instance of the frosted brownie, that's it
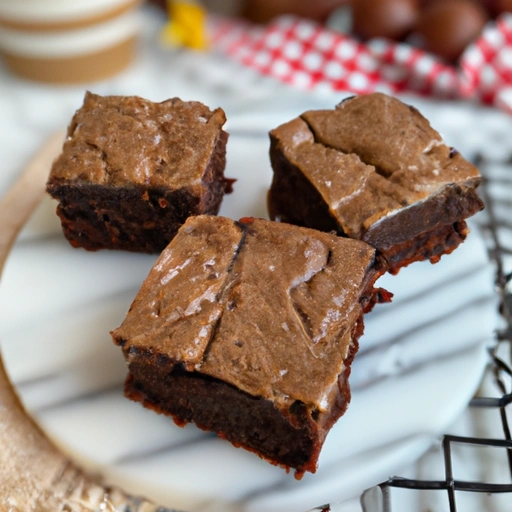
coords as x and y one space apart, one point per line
248 329
373 169
132 171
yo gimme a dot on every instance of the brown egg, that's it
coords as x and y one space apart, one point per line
384 18
262 11
502 6
489 5
447 27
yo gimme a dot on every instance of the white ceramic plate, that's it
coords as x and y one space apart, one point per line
420 360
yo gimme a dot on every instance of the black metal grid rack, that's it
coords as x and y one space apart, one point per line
494 223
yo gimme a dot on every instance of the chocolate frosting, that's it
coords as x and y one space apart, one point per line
370 157
266 307
127 140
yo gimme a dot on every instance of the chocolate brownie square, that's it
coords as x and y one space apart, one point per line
249 329
132 171
373 169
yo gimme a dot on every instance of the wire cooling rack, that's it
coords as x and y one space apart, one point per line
495 394
497 228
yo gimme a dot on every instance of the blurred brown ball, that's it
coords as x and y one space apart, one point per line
501 6
261 11
447 27
384 18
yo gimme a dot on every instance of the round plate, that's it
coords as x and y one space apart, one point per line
420 360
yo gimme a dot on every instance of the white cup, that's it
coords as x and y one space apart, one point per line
68 41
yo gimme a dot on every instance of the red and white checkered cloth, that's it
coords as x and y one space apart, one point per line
305 54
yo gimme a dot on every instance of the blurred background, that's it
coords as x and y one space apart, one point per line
83 41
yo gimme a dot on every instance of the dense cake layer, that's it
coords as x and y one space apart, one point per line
249 329
132 171
375 170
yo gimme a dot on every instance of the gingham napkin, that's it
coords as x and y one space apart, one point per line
305 54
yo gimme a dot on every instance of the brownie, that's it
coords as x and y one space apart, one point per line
248 329
374 169
132 171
